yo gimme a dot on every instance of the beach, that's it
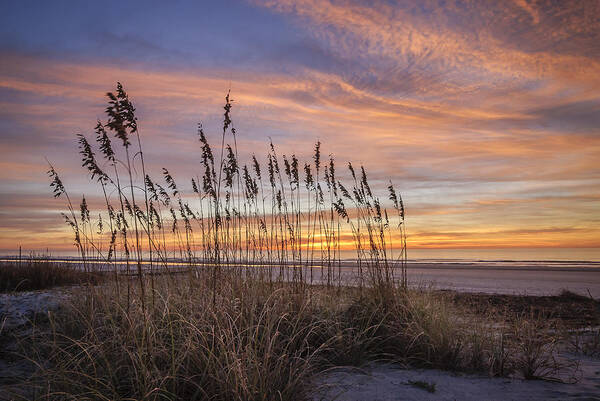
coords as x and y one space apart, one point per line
514 277
498 293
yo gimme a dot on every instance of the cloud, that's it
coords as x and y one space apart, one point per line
577 117
529 9
478 111
428 36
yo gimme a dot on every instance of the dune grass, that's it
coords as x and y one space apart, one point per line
276 211
258 238
255 342
262 304
30 275
262 341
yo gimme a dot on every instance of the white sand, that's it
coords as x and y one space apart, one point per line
388 383
17 313
17 309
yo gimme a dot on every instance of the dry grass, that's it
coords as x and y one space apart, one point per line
225 332
253 343
280 212
566 309
32 275
259 341
586 341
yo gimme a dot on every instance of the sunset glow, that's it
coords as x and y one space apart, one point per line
485 115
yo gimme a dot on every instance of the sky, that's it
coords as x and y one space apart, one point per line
485 115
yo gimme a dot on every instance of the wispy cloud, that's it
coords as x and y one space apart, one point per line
485 114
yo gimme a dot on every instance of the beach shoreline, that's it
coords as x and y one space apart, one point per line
374 380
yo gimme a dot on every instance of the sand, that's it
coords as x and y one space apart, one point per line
381 382
516 278
17 312
388 383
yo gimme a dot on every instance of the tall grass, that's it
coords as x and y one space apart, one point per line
256 237
277 220
257 340
264 299
254 341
